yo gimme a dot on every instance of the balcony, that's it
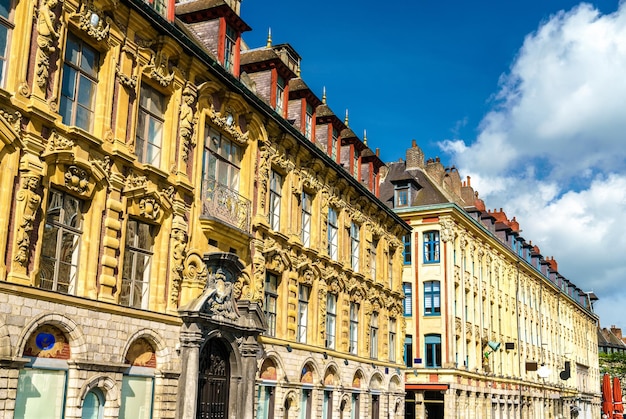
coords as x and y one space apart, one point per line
224 204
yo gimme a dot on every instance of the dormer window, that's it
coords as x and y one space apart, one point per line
333 147
160 6
308 122
280 95
401 196
230 43
355 164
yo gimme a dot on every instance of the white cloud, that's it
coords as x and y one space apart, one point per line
552 152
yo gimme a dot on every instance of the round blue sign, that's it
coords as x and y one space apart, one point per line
45 341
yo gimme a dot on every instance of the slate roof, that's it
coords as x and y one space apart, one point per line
427 192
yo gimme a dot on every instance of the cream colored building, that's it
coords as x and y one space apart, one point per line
187 230
493 329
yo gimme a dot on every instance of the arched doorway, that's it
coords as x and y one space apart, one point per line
213 381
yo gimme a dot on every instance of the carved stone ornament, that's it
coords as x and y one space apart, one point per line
92 21
47 36
134 181
265 154
27 204
104 164
159 69
226 124
447 229
195 270
12 117
150 208
129 82
57 142
76 179
221 301
178 240
169 192
187 119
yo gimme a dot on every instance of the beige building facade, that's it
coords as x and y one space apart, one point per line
493 329
187 229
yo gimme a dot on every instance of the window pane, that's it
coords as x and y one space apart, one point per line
91 406
89 61
69 82
86 92
5 7
136 398
72 50
40 394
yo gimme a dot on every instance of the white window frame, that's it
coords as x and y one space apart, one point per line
374 336
331 320
67 227
307 201
355 246
276 184
78 106
354 328
134 256
333 233
150 121
304 295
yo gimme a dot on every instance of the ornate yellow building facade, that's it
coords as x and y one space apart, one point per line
493 330
174 244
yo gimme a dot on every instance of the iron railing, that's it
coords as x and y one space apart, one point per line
224 204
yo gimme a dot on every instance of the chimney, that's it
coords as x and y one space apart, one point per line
617 331
414 157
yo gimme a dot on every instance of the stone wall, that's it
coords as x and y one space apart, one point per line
99 337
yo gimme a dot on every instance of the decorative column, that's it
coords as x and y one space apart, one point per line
190 341
249 349
114 211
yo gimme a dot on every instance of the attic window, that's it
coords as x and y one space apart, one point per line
229 48
160 6
401 196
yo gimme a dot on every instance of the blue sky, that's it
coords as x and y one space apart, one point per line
528 98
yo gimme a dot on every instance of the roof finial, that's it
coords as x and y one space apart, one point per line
269 38
365 136
345 121
324 95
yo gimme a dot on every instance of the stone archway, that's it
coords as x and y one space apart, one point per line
219 347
